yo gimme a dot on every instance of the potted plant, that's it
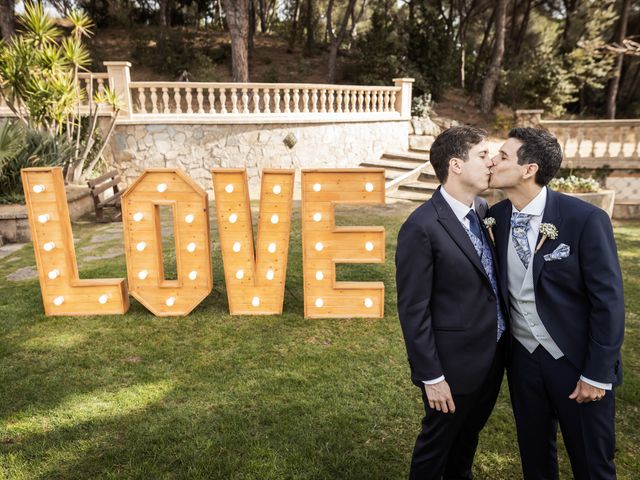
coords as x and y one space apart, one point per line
587 189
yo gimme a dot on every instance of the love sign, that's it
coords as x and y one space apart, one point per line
254 273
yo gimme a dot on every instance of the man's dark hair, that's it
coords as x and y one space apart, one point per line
454 142
539 147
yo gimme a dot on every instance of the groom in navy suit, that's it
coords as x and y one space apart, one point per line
560 274
450 308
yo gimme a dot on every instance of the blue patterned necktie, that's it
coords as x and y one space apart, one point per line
519 228
474 224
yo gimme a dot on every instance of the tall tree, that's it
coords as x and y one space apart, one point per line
237 14
310 23
614 82
7 28
493 76
165 12
336 38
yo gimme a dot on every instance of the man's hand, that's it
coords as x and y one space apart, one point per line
439 396
585 393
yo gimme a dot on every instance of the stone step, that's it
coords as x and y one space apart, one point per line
408 195
422 187
420 143
1 241
408 156
391 164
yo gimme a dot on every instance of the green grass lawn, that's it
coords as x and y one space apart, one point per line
213 396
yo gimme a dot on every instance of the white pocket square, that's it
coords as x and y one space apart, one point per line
561 251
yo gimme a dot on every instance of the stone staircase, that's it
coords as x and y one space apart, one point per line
407 174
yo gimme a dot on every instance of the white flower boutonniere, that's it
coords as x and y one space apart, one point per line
547 230
489 223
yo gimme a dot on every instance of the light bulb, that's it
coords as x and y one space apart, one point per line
229 188
368 302
368 187
270 274
277 189
317 217
319 276
189 218
255 301
274 218
368 246
102 299
49 246
272 248
138 216
319 302
58 300
39 188
193 275
53 274
319 246
236 247
240 274
191 247
170 301
162 187
233 218
317 187
141 246
143 274
44 218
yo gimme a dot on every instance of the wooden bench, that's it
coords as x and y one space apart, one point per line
101 184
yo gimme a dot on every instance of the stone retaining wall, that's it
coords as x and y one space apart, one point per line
197 148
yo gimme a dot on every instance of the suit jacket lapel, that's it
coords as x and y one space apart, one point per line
502 234
456 231
551 215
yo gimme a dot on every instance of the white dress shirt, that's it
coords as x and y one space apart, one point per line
536 208
460 210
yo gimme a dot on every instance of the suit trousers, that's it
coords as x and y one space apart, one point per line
540 387
447 443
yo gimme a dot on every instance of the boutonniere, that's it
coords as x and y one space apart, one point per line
547 230
489 223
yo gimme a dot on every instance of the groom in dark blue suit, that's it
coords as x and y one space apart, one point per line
559 272
450 308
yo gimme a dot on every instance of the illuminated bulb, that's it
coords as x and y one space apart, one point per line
319 246
162 187
44 218
193 275
277 189
272 248
368 187
142 274
270 274
319 275
368 246
49 246
141 246
53 274
240 274
138 216
255 301
368 302
191 247
58 300
319 302
189 218
170 301
228 188
317 217
103 299
317 187
274 218
38 188
236 247
233 218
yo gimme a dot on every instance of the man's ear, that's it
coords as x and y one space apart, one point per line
530 170
455 165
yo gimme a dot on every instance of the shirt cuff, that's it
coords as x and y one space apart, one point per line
604 386
436 380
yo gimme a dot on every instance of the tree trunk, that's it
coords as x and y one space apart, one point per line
262 12
493 77
336 40
293 36
614 83
252 25
165 12
237 13
328 33
7 28
308 48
